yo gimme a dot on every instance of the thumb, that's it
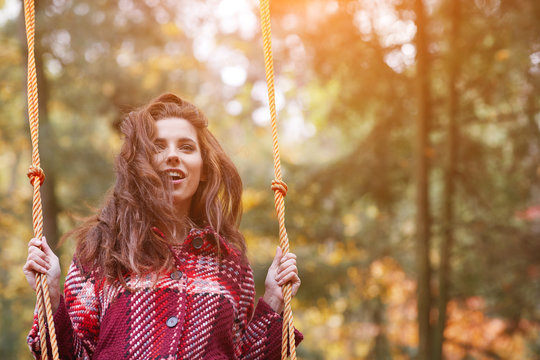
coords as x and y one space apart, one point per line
45 246
277 257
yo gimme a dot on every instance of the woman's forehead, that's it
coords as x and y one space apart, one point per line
175 127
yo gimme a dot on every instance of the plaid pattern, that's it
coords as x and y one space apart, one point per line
204 311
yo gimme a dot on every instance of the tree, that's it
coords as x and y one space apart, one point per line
422 183
449 180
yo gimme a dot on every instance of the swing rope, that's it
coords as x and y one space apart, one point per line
278 186
36 175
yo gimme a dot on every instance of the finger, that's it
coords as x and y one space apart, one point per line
34 242
290 277
46 247
286 272
277 257
38 256
285 269
39 261
286 264
288 256
37 253
34 266
295 286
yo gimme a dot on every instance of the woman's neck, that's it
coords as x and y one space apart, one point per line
179 234
178 230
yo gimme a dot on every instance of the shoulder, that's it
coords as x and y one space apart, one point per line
207 241
83 275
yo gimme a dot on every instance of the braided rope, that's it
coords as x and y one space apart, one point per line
278 186
36 175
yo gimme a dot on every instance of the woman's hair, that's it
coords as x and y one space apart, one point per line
120 239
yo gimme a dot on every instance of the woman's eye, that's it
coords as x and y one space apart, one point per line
160 146
186 147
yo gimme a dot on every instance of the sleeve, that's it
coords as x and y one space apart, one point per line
76 320
258 332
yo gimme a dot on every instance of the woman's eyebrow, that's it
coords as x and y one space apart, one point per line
182 139
186 139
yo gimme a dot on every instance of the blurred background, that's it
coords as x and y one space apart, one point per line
410 141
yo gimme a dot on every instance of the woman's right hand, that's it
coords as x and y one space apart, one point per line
41 259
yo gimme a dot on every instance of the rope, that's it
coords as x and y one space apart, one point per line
36 175
278 186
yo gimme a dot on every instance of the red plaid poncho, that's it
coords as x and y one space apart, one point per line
203 310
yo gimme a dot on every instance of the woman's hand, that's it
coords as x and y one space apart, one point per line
41 259
282 271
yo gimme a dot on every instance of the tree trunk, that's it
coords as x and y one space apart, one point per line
423 220
46 143
531 109
445 270
381 346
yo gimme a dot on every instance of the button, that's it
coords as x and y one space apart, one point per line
197 242
172 321
177 275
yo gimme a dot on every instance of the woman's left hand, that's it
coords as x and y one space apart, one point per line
282 271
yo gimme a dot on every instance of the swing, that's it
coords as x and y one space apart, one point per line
37 176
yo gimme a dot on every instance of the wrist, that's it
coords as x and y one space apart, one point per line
54 294
54 297
274 302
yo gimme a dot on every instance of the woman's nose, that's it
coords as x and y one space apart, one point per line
172 156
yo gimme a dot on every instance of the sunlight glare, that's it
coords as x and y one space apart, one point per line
236 15
261 116
233 75
363 22
381 17
234 107
9 11
408 50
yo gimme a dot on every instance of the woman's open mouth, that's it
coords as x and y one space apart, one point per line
176 176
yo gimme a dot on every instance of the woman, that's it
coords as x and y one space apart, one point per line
161 271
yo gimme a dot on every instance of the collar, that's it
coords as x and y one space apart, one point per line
203 240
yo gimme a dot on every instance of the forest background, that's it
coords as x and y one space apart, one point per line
410 141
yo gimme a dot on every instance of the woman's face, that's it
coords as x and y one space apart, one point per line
179 156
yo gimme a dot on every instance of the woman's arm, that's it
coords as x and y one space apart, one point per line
258 331
76 314
282 271
41 259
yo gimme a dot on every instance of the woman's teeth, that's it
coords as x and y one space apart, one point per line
176 175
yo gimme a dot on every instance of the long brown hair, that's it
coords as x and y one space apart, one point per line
119 240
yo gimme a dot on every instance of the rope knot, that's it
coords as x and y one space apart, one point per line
35 172
279 185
